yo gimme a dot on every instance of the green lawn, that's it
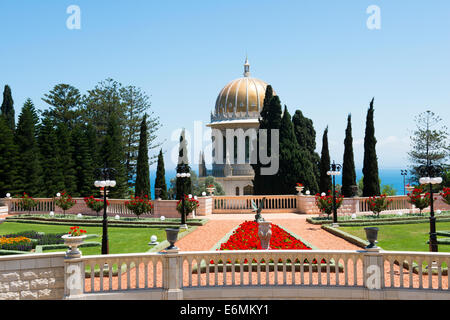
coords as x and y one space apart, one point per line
121 240
403 237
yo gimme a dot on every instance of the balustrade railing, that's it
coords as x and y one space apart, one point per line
205 274
398 203
243 204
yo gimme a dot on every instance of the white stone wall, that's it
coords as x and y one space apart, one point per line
32 277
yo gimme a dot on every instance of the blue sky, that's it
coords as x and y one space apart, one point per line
319 56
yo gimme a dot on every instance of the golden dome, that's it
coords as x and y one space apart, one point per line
241 98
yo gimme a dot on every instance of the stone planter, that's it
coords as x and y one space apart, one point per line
210 190
299 189
172 237
409 189
73 243
372 236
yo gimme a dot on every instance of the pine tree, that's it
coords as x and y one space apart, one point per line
370 167
348 167
143 173
64 101
53 181
325 180
183 184
160 181
113 156
294 165
8 158
306 138
7 109
66 157
29 178
83 163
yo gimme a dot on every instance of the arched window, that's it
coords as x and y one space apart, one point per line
237 191
235 143
247 149
224 149
248 190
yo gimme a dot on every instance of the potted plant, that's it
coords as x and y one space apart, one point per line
210 188
64 201
409 188
73 240
378 204
299 187
95 204
27 203
325 202
139 205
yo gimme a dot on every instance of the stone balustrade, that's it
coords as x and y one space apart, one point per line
261 274
230 204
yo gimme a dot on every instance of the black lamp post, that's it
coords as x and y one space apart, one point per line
431 175
335 171
183 174
404 173
106 175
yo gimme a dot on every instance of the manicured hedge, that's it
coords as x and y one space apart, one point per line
316 221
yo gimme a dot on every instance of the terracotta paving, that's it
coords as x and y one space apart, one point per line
205 237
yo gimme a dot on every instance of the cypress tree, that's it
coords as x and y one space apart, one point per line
7 108
53 181
142 187
294 165
270 119
8 157
113 156
325 180
83 163
370 168
66 157
29 178
348 167
260 183
160 181
183 184
306 138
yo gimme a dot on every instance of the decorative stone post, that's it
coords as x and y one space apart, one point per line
73 276
172 275
373 273
265 233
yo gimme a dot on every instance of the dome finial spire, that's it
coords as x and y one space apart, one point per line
246 67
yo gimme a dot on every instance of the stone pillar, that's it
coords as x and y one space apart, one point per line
265 233
73 277
373 273
172 269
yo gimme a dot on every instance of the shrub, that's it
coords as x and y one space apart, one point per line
27 203
65 202
445 194
95 204
378 203
325 203
139 205
190 204
421 201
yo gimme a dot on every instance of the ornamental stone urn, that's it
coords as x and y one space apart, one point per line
210 190
73 243
265 233
372 235
299 190
172 237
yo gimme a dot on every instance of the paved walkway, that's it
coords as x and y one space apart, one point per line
205 237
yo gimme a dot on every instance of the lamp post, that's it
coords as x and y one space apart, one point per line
431 175
335 171
106 175
404 173
182 176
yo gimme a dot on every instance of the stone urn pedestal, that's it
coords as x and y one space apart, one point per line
73 243
299 190
210 190
265 233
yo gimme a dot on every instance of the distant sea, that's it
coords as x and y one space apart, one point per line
388 176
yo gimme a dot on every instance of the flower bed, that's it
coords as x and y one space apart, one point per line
245 237
28 240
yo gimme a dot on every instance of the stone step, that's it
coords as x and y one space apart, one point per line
4 210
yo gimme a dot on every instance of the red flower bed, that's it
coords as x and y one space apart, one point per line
245 237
